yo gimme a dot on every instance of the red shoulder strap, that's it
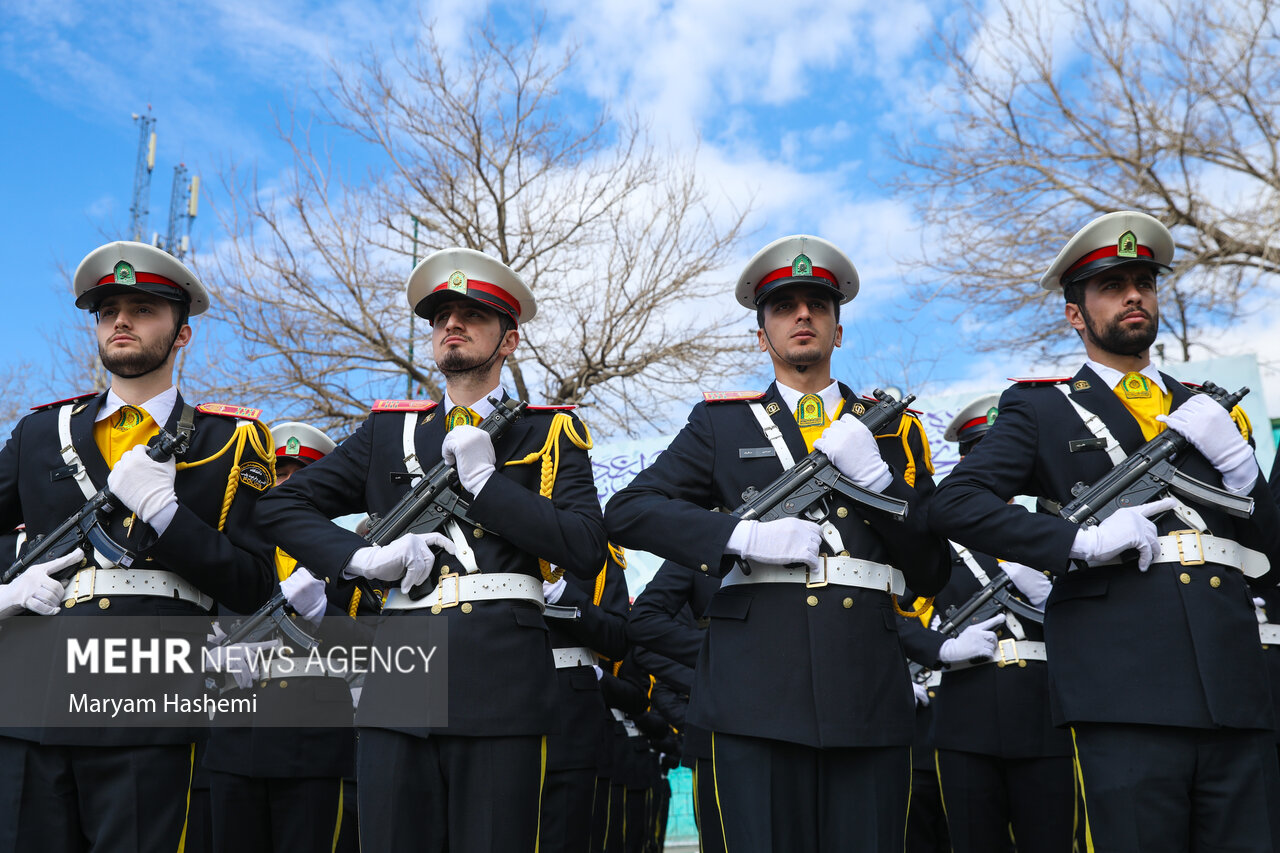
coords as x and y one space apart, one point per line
404 405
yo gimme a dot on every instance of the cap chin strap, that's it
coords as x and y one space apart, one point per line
798 368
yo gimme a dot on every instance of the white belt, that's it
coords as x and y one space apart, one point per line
1269 634
1009 652
1193 548
455 589
297 668
627 723
575 656
94 582
841 571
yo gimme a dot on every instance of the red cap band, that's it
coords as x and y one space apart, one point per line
142 278
513 306
785 272
1106 252
303 451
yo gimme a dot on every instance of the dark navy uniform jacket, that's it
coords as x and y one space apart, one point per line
232 566
582 733
1002 712
829 674
1177 645
664 617
499 662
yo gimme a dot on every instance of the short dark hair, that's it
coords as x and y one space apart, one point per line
1073 292
835 306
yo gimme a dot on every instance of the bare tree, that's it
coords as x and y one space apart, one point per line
1170 108
478 148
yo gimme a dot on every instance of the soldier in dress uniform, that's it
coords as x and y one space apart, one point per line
1003 767
669 617
470 782
588 621
185 522
281 788
801 679
1152 639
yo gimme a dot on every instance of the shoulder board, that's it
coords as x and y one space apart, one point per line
732 396
564 408
404 405
226 411
1040 380
60 402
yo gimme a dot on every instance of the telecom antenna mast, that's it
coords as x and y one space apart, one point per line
183 200
142 176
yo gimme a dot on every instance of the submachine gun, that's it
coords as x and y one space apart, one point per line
435 499
994 598
1151 473
87 527
814 478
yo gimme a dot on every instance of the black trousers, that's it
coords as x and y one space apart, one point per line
706 808
600 814
284 815
926 820
449 793
66 799
567 800
1170 789
986 797
784 796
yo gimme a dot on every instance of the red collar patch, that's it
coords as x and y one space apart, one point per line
731 396
68 400
404 405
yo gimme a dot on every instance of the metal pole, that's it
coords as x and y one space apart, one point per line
408 382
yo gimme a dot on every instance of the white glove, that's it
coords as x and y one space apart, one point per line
244 662
1210 430
34 590
778 542
1260 610
305 594
598 671
1127 528
470 450
1034 585
409 558
852 448
975 643
922 694
145 486
551 591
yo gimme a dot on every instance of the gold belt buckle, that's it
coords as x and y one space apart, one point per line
1008 649
809 583
76 597
457 590
1177 535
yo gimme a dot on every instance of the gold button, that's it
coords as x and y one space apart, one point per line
1184 577
812 600
1000 664
70 603
435 608
104 603
466 607
848 602
703 567
1022 664
1215 581
842 512
932 694
283 684
444 570
844 553
478 533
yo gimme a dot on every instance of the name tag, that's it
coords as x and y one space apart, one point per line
1087 444
755 452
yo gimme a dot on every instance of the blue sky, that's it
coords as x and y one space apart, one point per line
793 104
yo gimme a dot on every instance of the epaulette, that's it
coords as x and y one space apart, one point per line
404 405
873 401
567 407
240 412
60 402
1040 380
731 396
